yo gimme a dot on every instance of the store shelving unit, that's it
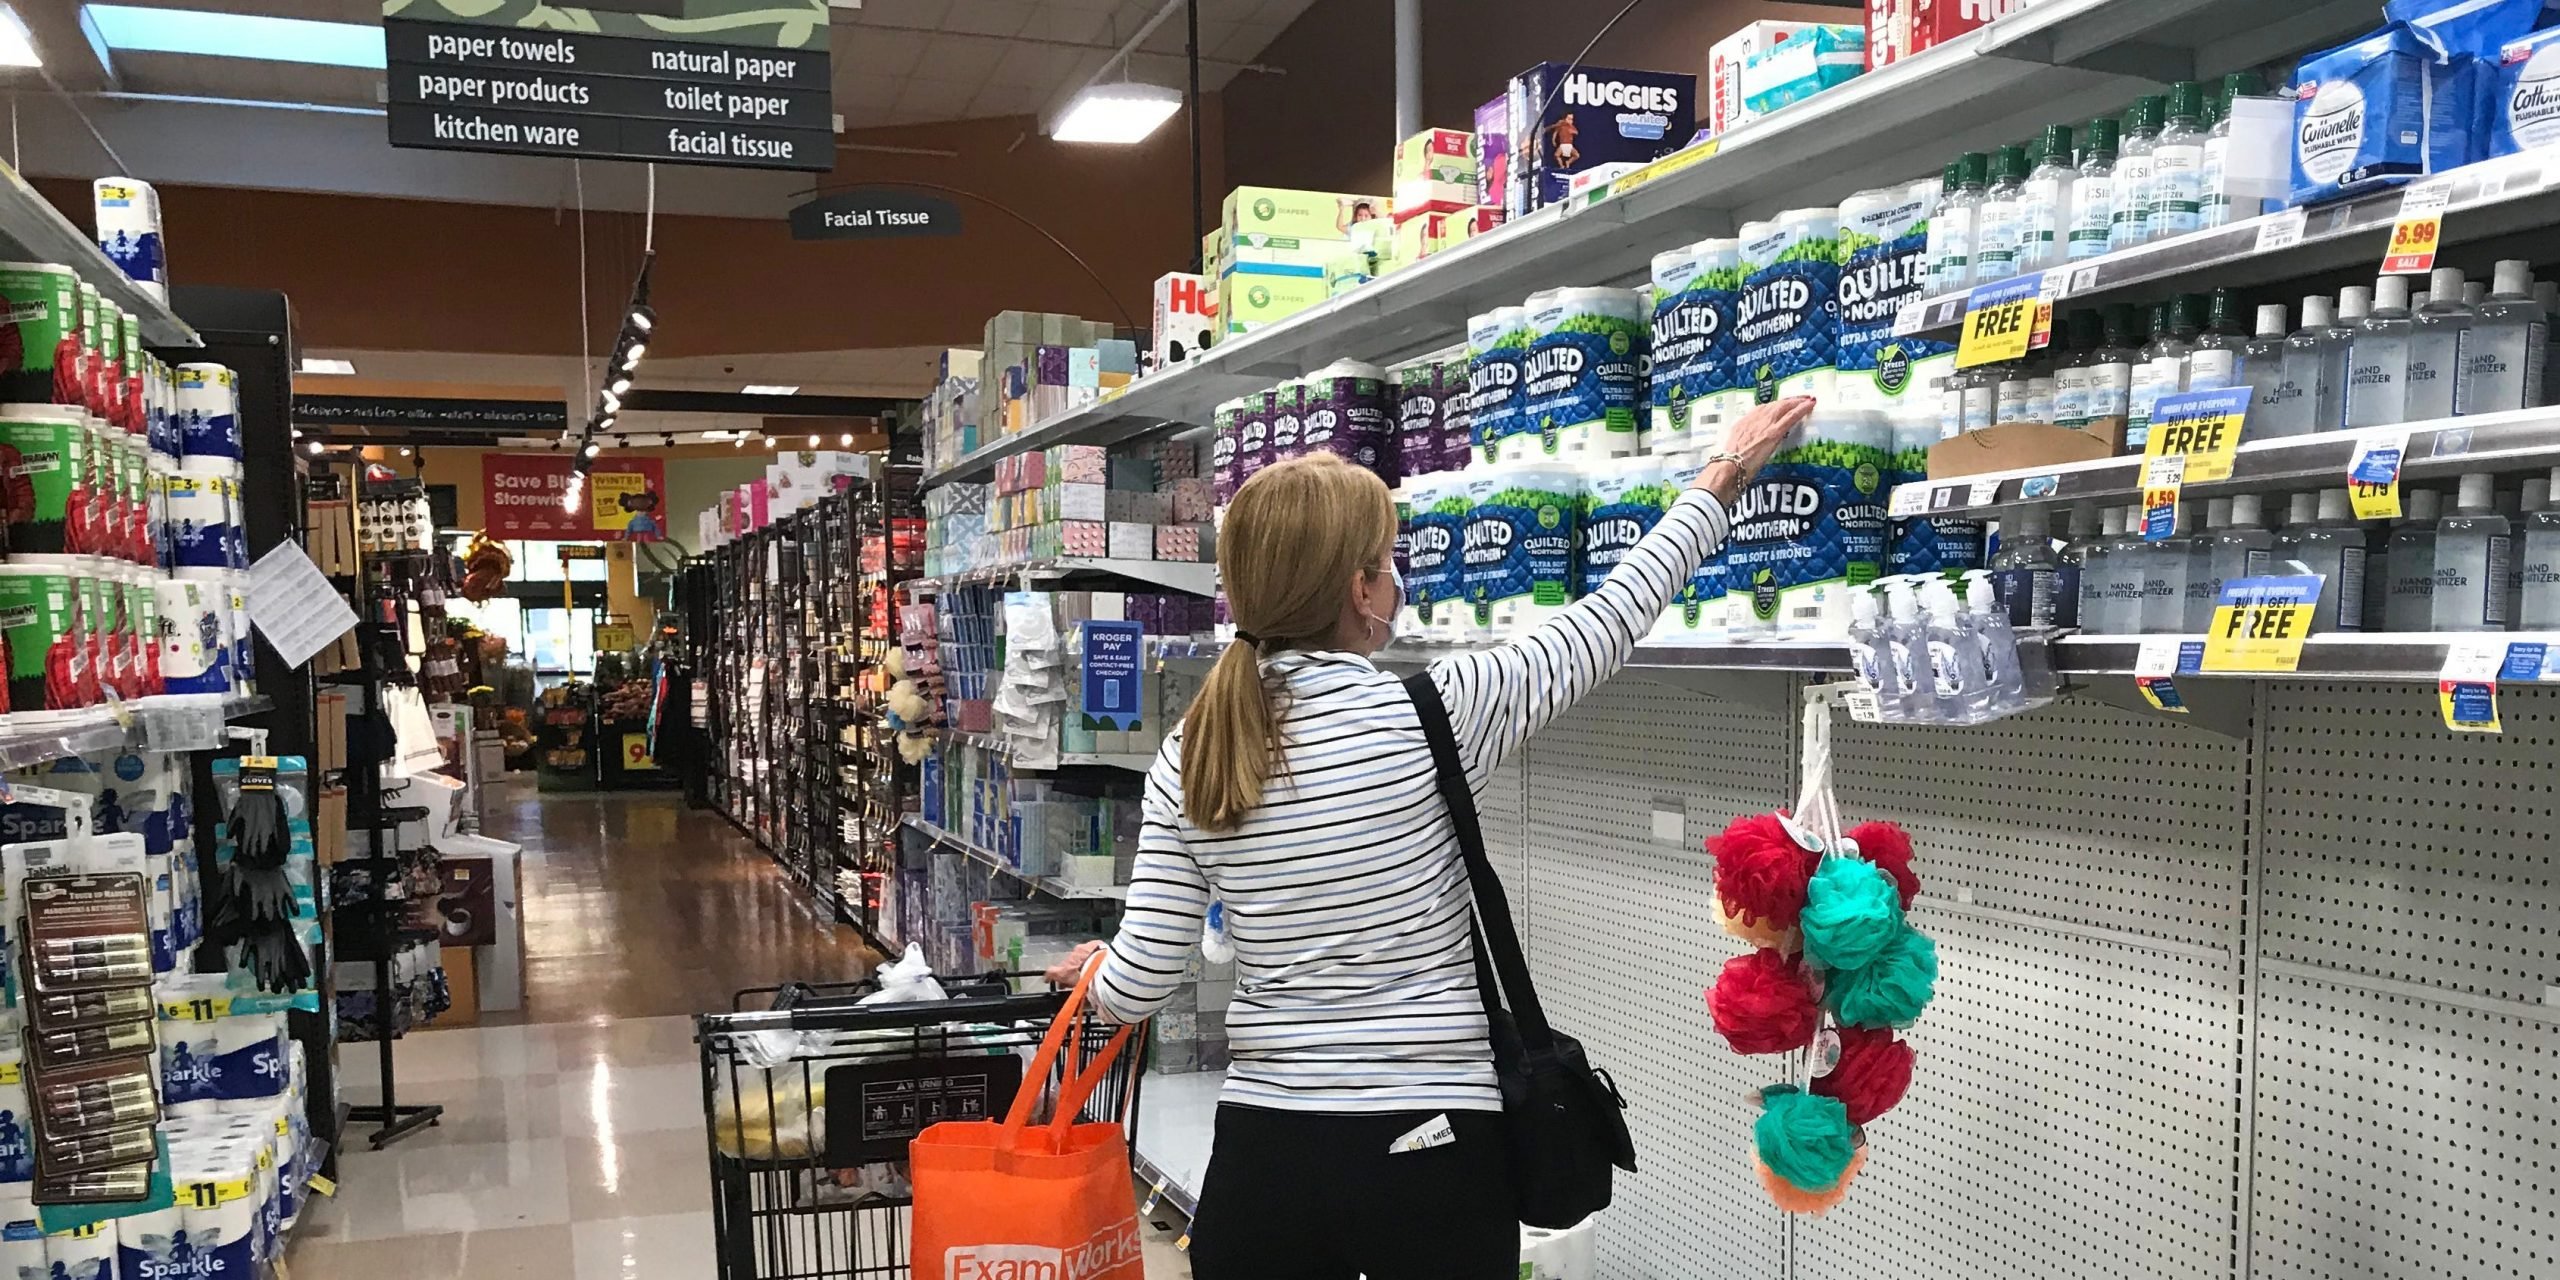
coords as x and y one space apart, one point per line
2055 60
994 861
32 230
1171 575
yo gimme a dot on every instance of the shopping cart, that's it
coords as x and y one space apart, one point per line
810 1102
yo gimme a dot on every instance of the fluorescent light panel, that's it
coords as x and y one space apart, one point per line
1116 113
137 29
17 48
767 389
341 368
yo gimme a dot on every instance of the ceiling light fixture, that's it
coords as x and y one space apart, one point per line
334 368
17 48
205 32
848 440
767 389
631 358
318 448
740 442
1121 113
642 319
594 448
619 385
612 399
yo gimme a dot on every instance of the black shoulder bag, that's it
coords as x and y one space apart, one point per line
1567 1124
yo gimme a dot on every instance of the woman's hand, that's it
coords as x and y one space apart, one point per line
1065 972
1754 438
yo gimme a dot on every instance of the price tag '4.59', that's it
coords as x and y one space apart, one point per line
2421 226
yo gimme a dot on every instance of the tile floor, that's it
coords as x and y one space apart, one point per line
572 1145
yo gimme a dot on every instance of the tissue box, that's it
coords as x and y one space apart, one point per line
1191 500
1725 62
1934 22
1296 215
1139 506
1183 542
1174 459
1090 538
1080 464
1493 151
1251 297
1081 502
1799 68
1132 541
1435 173
1567 119
1186 317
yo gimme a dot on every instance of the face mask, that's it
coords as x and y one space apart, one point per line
1398 576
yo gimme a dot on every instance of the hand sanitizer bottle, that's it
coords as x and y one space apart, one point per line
1955 658
1996 640
2237 547
1940 257
2508 337
2204 589
2215 362
2540 610
2177 164
2316 360
2163 370
2409 560
1906 646
1872 661
2473 550
2439 349
1963 213
2279 406
1997 241
2378 359
2323 537
2134 167
2169 569
2044 218
2093 196
2094 549
2218 206
2026 575
2111 371
2128 572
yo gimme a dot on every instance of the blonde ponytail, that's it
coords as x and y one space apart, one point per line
1294 538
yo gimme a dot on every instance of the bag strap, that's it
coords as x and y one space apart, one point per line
1077 1087
1493 928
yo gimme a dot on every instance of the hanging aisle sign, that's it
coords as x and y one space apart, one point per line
874 213
735 83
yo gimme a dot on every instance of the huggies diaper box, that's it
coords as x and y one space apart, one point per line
1564 120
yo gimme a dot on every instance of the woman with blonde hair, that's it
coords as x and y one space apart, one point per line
1360 1129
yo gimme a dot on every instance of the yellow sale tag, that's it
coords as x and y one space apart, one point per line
1996 334
2260 624
2467 688
322 1185
2420 227
2373 474
199 1009
2201 426
1670 164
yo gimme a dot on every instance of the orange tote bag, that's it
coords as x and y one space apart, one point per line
996 1200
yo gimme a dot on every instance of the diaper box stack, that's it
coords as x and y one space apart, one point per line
1564 120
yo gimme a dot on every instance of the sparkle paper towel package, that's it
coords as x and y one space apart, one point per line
128 226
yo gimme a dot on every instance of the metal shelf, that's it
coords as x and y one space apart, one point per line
147 727
2416 656
1196 578
2519 439
2494 198
2058 60
991 860
1133 761
32 230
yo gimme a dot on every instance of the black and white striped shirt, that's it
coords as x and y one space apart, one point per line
1345 892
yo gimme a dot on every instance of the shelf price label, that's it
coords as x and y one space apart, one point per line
2202 426
2467 687
1908 500
2259 624
2161 479
2155 666
2002 321
2420 227
2373 475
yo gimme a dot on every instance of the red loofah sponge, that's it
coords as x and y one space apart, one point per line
1873 1072
1887 846
1761 873
1763 1003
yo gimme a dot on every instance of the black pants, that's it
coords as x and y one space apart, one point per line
1320 1197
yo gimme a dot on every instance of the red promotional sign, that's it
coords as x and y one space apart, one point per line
624 500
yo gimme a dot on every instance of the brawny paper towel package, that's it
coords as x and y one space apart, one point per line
1580 379
1788 322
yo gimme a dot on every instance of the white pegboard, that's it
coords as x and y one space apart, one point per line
1625 946
2401 850
2078 811
2073 1114
2401 1138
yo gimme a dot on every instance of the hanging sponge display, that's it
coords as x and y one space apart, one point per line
1892 989
1851 912
1804 1139
1763 1002
1761 879
1872 1074
1889 847
1791 1198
